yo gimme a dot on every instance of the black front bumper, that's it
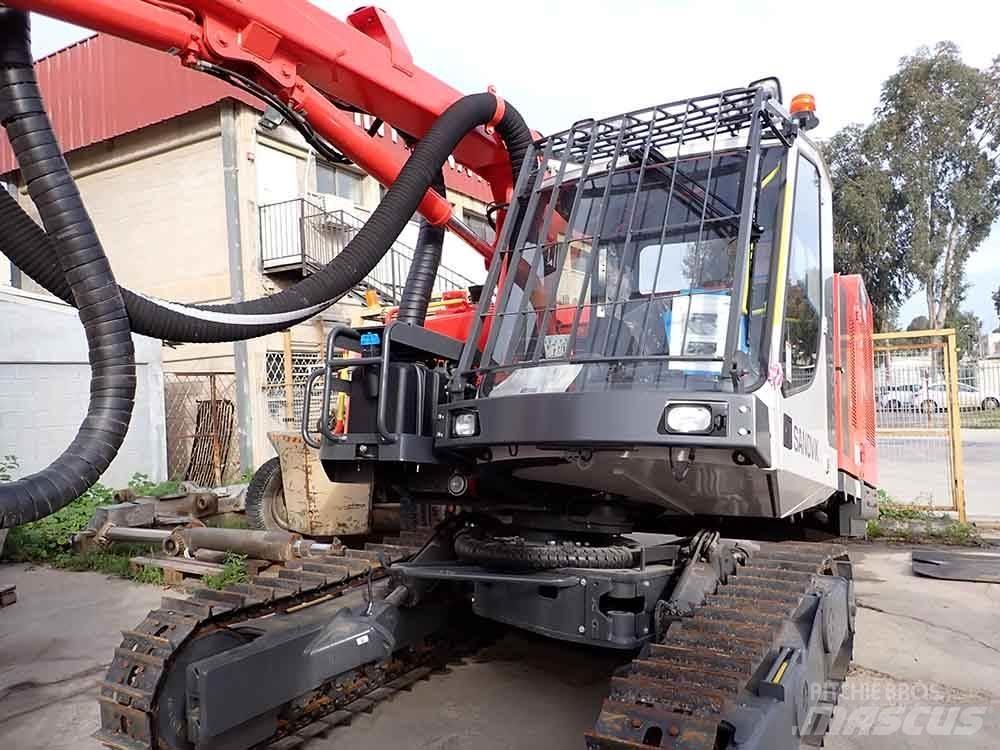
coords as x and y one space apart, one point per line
616 419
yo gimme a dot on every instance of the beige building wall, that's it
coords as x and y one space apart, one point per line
308 337
157 197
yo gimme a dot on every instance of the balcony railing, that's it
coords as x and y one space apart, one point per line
300 237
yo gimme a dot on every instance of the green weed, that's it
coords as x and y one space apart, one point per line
228 521
44 540
150 575
110 562
47 541
234 570
114 560
962 534
905 523
142 486
904 513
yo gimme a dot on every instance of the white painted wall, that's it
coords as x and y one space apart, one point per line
455 255
45 384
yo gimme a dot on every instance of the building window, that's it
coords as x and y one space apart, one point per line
478 224
303 362
804 292
338 181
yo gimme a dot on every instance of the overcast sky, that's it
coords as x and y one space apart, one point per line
563 60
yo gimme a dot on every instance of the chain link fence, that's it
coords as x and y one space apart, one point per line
202 440
979 392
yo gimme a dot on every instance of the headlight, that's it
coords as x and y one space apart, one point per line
465 424
689 418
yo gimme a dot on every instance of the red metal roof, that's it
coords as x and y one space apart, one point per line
103 87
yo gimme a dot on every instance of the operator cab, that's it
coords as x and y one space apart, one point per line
640 294
654 334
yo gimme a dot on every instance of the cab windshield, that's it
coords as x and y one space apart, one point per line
625 279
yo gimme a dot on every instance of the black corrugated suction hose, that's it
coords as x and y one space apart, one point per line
414 300
83 265
68 260
32 251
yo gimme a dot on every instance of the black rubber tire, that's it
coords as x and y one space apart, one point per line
264 492
518 554
990 403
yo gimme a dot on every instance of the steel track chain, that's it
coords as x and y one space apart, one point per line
129 693
715 652
687 682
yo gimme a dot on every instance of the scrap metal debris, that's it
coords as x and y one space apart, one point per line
951 565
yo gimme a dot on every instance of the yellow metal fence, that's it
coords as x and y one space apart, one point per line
919 419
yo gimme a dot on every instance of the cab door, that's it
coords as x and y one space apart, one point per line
807 453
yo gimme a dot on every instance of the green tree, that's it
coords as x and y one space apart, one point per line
919 323
936 132
968 330
867 236
996 300
7 466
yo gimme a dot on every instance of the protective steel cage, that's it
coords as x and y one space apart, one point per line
566 285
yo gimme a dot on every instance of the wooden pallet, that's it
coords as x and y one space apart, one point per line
8 595
178 569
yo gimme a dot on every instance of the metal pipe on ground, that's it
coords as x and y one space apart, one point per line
277 546
133 535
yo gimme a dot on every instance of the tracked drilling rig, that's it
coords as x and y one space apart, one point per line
661 352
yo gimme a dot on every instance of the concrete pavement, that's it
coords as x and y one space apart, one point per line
926 670
929 646
927 650
55 644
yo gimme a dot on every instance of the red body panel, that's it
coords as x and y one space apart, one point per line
854 378
455 319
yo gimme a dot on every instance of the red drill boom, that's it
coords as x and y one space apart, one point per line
312 62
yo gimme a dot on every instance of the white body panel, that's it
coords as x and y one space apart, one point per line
805 473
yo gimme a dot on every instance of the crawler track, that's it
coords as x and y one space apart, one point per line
680 687
130 693
679 690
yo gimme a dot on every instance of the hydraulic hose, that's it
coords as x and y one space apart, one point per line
76 251
31 250
67 259
419 285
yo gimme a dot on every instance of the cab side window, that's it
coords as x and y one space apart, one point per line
804 290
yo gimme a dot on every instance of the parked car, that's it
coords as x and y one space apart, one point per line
934 397
896 397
